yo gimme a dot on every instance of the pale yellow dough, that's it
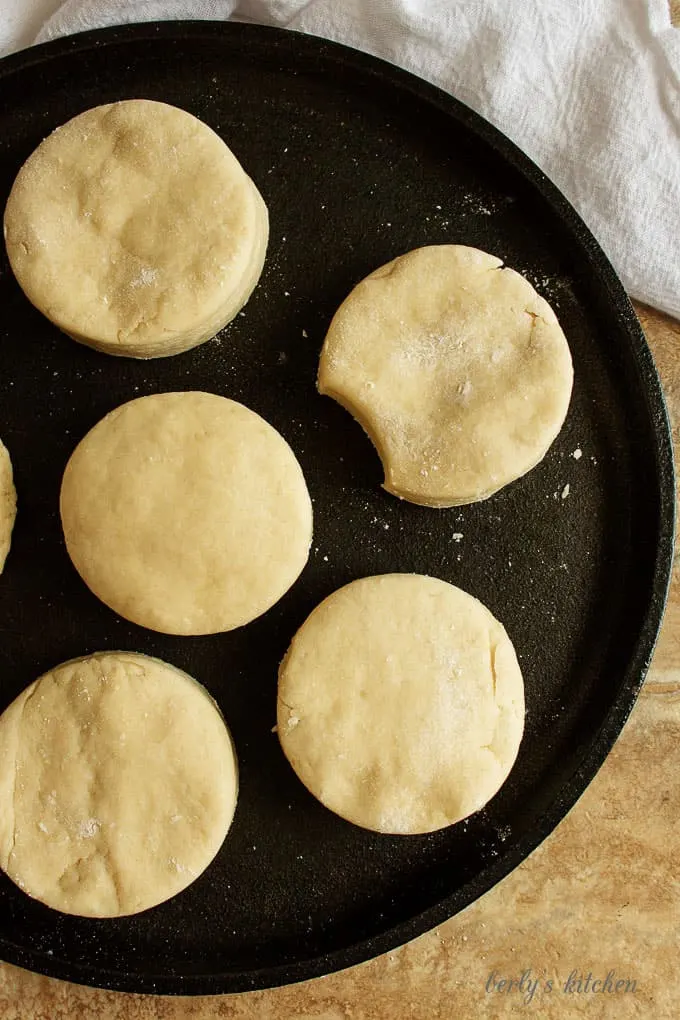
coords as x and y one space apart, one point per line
118 784
8 504
401 703
186 513
456 368
135 229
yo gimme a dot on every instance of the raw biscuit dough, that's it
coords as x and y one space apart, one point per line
135 229
186 513
8 504
118 784
456 368
401 703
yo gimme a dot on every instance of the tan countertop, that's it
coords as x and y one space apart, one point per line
600 896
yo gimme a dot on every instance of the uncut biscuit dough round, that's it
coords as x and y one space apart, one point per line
135 229
8 504
401 703
456 368
118 784
186 513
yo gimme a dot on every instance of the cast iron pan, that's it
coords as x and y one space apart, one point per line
358 162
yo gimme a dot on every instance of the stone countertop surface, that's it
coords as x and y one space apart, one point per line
590 922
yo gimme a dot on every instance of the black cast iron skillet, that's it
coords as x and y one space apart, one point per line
358 162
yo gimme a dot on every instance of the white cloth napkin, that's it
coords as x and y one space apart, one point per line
589 89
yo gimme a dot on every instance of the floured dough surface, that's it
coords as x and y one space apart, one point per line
457 369
118 784
8 504
134 228
401 703
186 513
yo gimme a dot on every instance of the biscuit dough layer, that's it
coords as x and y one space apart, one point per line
401 703
118 784
8 504
186 513
456 368
134 228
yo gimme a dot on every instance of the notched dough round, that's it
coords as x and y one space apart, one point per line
401 703
186 513
134 229
118 784
456 368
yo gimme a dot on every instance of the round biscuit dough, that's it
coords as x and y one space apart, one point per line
118 784
8 504
135 230
401 703
456 368
186 513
